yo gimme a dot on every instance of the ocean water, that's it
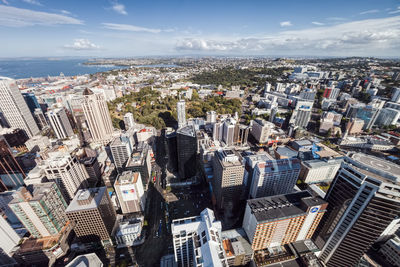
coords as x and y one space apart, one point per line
21 68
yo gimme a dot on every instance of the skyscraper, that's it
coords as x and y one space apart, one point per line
197 241
181 112
41 211
60 123
11 173
129 121
97 117
228 177
187 152
262 130
93 214
31 101
9 238
121 150
363 199
14 108
129 189
301 114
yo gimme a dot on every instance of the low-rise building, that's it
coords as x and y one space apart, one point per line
129 232
315 171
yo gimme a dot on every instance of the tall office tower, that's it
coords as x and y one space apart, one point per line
301 114
97 117
228 177
15 109
274 177
278 220
92 168
262 130
93 214
368 114
129 121
129 189
60 123
211 116
40 118
218 130
67 172
11 173
9 238
171 146
31 101
180 109
121 150
228 129
140 161
41 211
197 241
187 152
387 116
395 95
363 200
241 134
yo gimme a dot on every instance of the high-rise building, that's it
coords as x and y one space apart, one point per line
241 134
211 116
41 211
331 93
9 238
14 108
301 114
40 118
31 101
11 173
121 151
388 116
355 126
396 95
67 172
97 117
317 170
140 161
187 152
228 129
92 167
197 241
181 111
93 214
129 121
60 123
129 189
228 177
262 130
363 200
274 177
278 220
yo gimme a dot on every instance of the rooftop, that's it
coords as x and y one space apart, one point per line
86 199
127 177
86 260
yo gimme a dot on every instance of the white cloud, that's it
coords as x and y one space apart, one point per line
131 28
335 19
318 23
286 24
372 11
395 11
119 8
5 2
32 2
65 12
365 37
82 44
19 17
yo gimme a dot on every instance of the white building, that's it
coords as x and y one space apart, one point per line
97 117
211 116
130 193
301 114
67 172
15 109
197 241
129 121
262 130
9 238
181 112
315 171
60 123
129 232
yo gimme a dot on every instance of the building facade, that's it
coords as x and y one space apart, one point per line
187 152
130 193
315 171
181 111
59 123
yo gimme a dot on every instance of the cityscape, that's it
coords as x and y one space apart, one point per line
174 142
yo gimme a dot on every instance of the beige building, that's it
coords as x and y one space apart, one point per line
93 214
228 177
130 193
97 117
261 130
355 126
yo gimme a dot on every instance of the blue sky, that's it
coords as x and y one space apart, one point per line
110 28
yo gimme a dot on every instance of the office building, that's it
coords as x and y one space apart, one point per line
355 126
129 121
395 95
8 237
59 123
92 168
391 251
368 114
181 111
187 152
67 172
129 232
197 241
140 161
14 137
282 219
211 116
331 93
228 128
317 170
97 117
121 150
237 247
262 130
363 200
14 108
274 177
228 177
11 173
387 116
40 118
41 211
93 214
86 260
31 101
130 193
301 114
172 152
241 134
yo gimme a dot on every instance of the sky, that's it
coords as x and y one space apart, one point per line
128 28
